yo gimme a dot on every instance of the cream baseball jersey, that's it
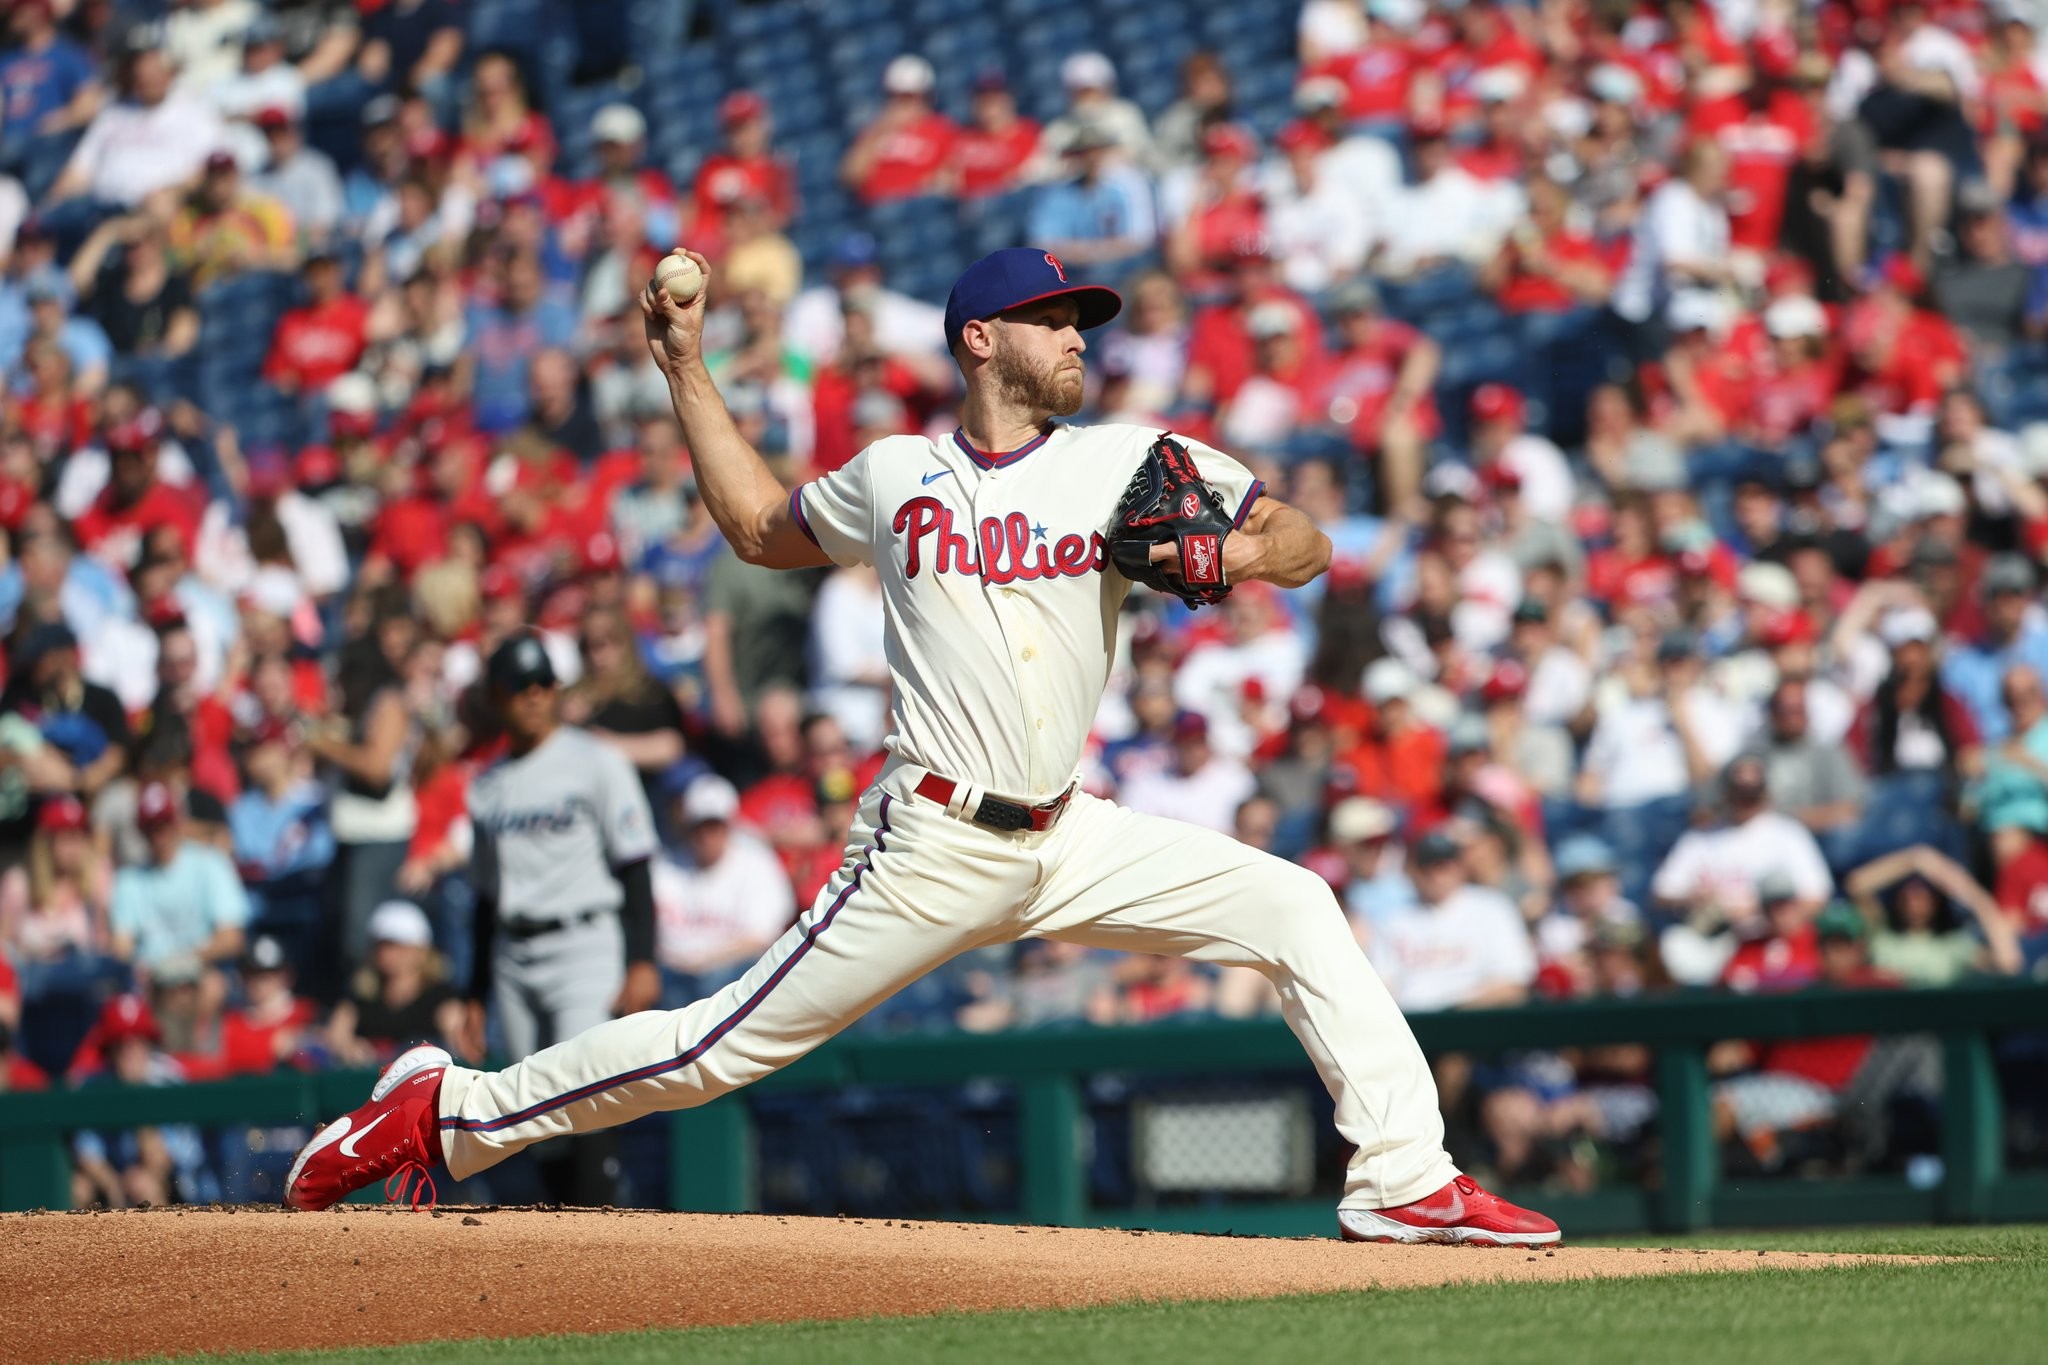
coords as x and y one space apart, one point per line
998 588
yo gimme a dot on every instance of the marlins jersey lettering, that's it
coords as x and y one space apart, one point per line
552 824
996 581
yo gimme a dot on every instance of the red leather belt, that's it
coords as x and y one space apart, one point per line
994 812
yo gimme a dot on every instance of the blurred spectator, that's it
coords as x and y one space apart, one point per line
1460 946
272 1025
323 339
1911 900
848 658
185 902
82 722
1089 78
282 843
225 229
1816 784
399 997
1681 243
619 702
1446 216
1660 729
1233 680
1720 869
367 752
54 909
1205 100
140 1167
506 335
143 306
757 628
1549 264
1098 218
150 139
1794 1085
992 152
1377 891
1377 387
1318 234
816 322
301 178
2014 635
904 151
204 39
1502 440
1200 786
1912 723
720 903
49 85
1589 902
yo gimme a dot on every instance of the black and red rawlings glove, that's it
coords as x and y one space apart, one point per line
1169 502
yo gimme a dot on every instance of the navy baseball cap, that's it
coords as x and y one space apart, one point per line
519 663
1018 275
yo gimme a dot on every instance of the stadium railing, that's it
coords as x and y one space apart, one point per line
713 1147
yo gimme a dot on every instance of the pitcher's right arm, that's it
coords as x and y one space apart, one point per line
744 497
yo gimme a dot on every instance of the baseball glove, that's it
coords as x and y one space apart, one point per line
1168 502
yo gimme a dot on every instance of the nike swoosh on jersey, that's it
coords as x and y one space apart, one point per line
348 1144
934 478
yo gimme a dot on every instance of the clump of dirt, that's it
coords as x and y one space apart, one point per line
136 1284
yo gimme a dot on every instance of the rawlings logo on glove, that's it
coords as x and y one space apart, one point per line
1169 503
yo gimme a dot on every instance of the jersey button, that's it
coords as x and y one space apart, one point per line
1026 655
1041 722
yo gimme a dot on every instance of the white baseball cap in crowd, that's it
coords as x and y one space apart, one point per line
1938 495
1907 625
1359 818
1272 319
1767 585
1088 71
1795 315
710 798
618 123
908 74
401 922
1387 679
354 393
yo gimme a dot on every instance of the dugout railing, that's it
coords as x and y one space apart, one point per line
713 1147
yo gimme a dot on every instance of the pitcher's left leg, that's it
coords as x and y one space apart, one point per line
1142 884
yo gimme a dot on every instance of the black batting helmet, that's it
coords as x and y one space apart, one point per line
519 663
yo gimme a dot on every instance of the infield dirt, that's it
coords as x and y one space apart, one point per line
84 1286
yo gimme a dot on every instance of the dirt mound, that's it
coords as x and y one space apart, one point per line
90 1286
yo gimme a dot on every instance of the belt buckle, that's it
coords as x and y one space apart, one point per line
1003 815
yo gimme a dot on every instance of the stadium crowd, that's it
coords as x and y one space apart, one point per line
1669 379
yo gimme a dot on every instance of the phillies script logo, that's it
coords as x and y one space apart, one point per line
1001 550
1057 268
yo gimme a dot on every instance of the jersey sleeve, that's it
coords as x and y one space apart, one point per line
623 812
1237 486
837 511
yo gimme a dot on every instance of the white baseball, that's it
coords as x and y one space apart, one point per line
679 276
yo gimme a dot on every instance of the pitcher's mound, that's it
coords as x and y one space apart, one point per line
92 1286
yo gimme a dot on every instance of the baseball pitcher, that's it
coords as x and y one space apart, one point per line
1005 552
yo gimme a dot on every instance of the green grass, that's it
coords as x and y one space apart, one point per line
1986 1310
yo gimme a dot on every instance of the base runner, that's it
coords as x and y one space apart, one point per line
997 550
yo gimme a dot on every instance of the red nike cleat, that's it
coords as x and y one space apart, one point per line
390 1138
1461 1213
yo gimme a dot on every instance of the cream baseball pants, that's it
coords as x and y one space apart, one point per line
920 886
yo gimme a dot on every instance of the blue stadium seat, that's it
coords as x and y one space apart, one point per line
1641 836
